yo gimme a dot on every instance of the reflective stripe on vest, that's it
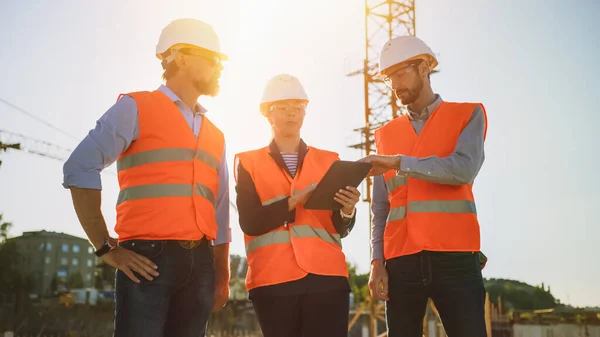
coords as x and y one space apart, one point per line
277 198
397 213
165 190
283 236
166 155
425 215
432 206
168 183
395 182
274 200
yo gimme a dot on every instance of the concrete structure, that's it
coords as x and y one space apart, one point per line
54 260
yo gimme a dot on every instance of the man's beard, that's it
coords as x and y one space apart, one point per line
210 87
411 94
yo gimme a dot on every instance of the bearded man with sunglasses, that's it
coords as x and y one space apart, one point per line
426 237
172 250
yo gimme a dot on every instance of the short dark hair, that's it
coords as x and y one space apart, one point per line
417 62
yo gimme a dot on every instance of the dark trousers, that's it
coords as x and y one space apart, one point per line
452 280
176 303
312 315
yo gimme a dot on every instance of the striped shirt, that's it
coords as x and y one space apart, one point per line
291 161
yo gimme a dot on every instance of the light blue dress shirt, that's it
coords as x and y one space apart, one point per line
114 132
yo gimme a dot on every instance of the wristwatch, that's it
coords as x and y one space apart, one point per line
344 215
109 244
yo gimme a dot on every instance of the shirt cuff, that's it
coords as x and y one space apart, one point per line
408 164
83 179
223 237
377 252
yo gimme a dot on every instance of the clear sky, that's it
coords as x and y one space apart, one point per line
532 63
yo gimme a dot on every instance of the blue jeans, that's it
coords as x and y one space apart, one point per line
452 280
176 303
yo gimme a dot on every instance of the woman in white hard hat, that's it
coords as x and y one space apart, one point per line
297 272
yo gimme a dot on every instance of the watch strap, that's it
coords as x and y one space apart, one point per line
109 244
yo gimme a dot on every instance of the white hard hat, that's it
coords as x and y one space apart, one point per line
188 32
282 87
405 48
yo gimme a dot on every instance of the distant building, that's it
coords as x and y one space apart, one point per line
56 261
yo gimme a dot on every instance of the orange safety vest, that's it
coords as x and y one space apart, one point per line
425 215
308 245
168 179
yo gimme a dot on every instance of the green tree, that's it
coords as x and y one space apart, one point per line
234 265
521 296
4 228
15 285
358 285
4 147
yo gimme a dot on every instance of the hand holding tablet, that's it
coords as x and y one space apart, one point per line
340 175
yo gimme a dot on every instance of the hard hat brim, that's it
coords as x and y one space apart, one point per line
433 63
221 56
264 106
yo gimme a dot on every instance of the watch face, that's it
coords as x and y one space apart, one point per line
112 243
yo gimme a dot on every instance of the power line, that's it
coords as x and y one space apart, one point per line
29 114
41 147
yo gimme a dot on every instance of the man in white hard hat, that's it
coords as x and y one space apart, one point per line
172 250
426 240
297 273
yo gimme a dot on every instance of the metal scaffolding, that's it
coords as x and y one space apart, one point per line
384 20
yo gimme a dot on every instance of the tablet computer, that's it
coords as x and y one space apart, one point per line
339 175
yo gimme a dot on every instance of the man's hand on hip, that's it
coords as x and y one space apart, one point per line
378 281
128 261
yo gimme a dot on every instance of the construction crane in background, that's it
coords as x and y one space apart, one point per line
384 20
16 141
38 147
